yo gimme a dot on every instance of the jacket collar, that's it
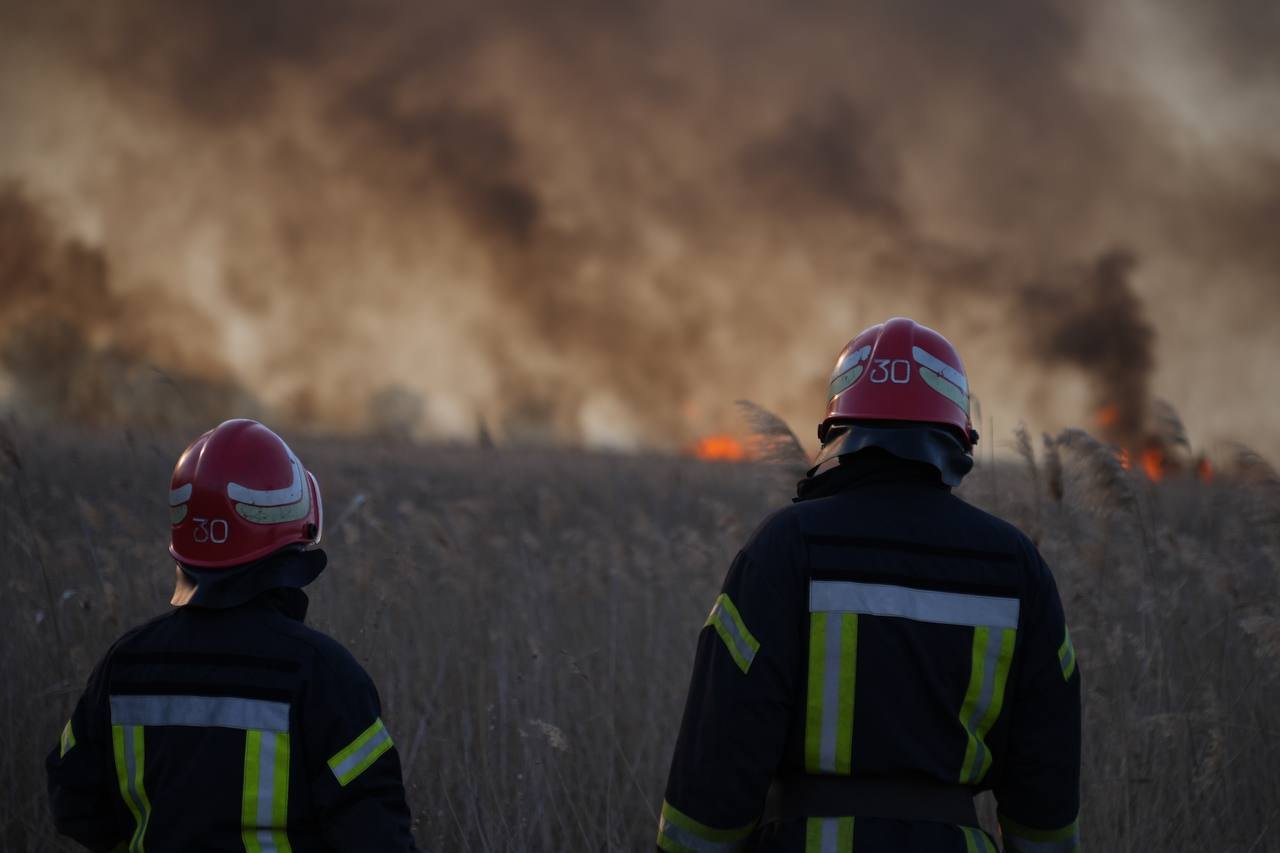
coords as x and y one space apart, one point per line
866 467
271 578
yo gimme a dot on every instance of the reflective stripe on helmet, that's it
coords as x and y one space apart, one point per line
178 503
848 370
989 671
679 833
276 514
727 621
130 759
356 757
274 506
1025 839
828 835
940 367
921 605
264 810
945 388
290 494
227 712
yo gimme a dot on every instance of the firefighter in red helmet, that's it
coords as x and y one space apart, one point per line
227 724
881 651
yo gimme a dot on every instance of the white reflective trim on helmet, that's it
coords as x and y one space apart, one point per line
276 514
940 367
180 495
315 484
945 388
851 360
291 494
848 370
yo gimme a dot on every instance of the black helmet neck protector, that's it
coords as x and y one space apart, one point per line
217 589
936 446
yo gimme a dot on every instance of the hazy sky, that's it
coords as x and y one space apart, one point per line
606 222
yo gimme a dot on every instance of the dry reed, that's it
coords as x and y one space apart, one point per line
530 620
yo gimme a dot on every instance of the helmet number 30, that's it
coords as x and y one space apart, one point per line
897 371
213 530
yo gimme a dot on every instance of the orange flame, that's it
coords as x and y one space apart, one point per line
1153 464
1122 456
1204 470
1108 416
722 448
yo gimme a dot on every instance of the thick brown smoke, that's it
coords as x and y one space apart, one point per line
1090 318
606 222
77 350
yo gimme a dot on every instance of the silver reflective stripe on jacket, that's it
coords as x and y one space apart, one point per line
921 605
228 712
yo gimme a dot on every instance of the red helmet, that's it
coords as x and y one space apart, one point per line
238 494
900 371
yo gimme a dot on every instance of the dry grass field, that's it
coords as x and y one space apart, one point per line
530 616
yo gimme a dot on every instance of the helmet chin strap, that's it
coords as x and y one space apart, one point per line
932 445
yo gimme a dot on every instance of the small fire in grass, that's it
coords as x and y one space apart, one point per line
1153 463
1157 455
721 447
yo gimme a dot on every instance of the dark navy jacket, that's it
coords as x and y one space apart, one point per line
230 729
880 629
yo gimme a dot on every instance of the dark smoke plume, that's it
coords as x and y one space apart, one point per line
1091 319
606 222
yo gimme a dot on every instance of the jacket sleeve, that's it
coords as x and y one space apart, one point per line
83 793
355 770
1039 791
738 710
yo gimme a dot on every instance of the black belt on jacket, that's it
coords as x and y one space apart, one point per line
804 795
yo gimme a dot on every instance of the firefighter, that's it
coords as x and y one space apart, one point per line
881 651
227 724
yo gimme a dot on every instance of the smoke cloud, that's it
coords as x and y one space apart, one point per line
606 222
78 351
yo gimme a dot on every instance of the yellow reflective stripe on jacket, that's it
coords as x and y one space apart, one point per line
264 809
355 757
727 621
833 671
828 835
984 698
679 833
67 741
1067 655
1025 839
130 757
976 841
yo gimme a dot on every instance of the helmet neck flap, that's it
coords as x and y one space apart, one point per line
219 589
937 446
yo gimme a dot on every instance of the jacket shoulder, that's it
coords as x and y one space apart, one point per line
322 650
994 528
139 634
779 535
